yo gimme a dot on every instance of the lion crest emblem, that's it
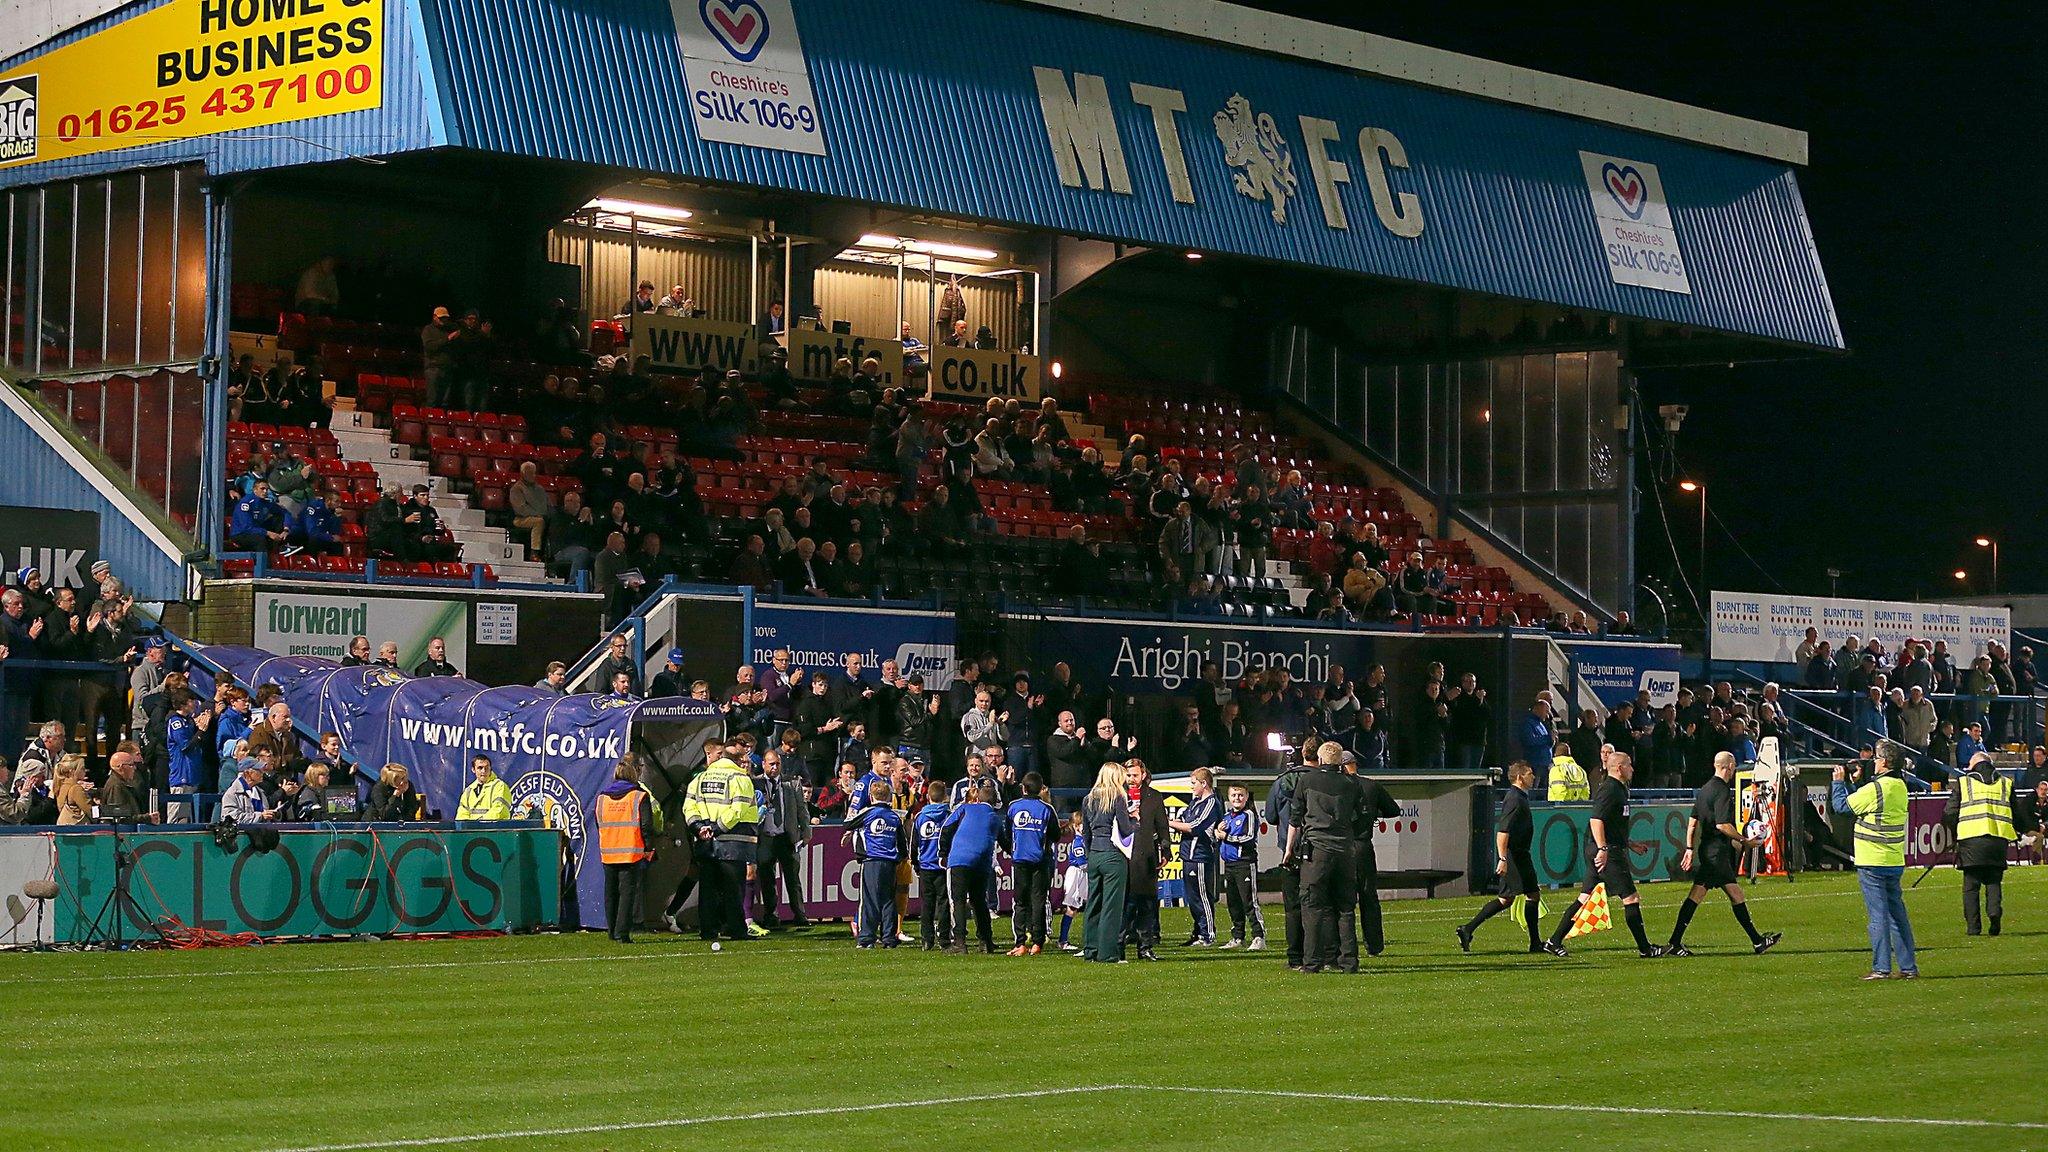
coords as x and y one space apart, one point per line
1253 146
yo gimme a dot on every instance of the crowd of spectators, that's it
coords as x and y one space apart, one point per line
1943 709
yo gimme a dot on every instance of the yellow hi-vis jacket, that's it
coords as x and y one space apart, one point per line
1880 809
722 795
485 800
1568 780
1984 809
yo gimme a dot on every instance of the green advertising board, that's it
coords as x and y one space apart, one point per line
314 883
1656 834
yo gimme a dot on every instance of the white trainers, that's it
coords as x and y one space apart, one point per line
1230 944
1258 944
1201 943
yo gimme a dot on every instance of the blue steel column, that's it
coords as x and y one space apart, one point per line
215 367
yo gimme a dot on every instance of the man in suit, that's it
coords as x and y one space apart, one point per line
1185 543
1149 844
785 830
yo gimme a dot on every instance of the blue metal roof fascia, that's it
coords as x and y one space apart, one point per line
408 120
941 115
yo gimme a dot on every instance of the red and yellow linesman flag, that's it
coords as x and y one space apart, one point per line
193 68
1592 915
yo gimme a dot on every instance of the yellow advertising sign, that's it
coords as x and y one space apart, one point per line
193 68
812 353
975 375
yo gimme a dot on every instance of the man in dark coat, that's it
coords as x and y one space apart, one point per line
1149 845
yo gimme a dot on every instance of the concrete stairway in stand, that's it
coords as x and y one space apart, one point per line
361 439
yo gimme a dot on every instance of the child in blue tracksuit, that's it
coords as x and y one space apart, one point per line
1029 828
1197 827
925 829
1238 844
1073 857
969 842
881 843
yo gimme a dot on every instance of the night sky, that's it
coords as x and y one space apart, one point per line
1925 195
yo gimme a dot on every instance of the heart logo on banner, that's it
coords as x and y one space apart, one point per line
740 25
1627 187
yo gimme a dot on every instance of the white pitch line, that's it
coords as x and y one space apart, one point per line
594 958
1607 1109
1185 1089
693 1121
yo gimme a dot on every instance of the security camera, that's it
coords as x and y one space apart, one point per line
1673 414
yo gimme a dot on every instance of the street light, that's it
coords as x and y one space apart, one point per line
1989 542
1962 576
1696 486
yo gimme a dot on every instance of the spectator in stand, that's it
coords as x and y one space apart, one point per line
438 356
1808 648
1366 592
1917 718
247 800
1979 691
125 797
358 653
1537 739
72 791
1185 545
530 508
387 655
572 536
1819 670
257 524
275 735
392 798
2006 685
613 575
555 681
316 529
1412 589
436 663
801 572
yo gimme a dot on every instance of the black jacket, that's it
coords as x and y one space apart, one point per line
1068 759
389 805
1149 842
819 749
1330 809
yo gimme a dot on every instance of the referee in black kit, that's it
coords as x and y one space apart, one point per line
1713 840
1326 812
1516 869
1610 859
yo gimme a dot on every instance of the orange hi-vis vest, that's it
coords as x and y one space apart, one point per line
619 840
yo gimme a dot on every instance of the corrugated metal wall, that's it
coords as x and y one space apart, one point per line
715 275
41 474
865 295
941 114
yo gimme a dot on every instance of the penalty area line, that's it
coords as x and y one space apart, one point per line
694 1121
1605 1109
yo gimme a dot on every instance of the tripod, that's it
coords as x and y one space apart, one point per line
117 904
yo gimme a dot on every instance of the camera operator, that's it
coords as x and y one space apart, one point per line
1279 801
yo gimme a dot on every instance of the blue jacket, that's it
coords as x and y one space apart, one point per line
1029 825
318 523
881 833
1538 744
1203 814
1240 839
924 833
252 514
970 836
231 726
182 743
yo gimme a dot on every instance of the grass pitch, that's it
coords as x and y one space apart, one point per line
568 1042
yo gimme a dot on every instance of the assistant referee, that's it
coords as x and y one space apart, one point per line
1516 868
1609 827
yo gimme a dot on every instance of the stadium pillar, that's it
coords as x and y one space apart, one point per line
215 364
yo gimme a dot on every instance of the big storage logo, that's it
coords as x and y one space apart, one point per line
18 118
